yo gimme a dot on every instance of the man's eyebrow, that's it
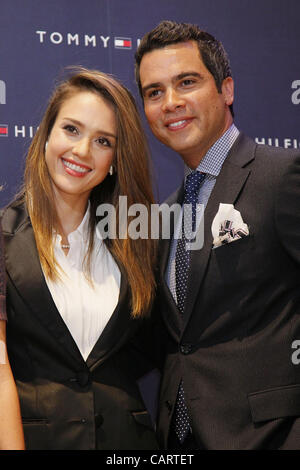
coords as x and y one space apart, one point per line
174 79
188 74
151 85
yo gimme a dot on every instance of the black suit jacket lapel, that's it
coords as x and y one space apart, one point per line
171 314
229 184
24 269
165 243
118 329
28 278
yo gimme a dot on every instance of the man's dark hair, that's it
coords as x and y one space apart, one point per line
211 50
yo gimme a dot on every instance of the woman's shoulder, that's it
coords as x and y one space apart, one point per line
14 216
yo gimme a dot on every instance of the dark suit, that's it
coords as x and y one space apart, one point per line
68 403
234 347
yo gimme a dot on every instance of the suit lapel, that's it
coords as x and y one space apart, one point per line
27 276
229 184
165 243
118 329
171 314
29 280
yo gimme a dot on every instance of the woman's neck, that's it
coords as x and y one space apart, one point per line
70 212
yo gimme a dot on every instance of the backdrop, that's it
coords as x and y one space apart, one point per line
39 38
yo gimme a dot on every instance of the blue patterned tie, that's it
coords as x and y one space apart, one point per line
182 261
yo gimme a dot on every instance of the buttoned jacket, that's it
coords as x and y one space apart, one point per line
233 346
66 402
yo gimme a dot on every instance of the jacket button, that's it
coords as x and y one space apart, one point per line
98 420
82 378
186 348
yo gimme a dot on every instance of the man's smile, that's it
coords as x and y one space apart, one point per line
176 124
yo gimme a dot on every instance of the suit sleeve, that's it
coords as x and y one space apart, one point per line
149 342
2 280
288 209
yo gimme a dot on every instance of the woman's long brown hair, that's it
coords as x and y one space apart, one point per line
132 179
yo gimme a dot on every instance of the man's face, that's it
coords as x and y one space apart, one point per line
182 104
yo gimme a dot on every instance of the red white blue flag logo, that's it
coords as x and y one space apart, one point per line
123 43
3 130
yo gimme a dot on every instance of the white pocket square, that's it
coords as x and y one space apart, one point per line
228 226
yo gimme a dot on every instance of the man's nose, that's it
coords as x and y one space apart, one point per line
82 148
172 100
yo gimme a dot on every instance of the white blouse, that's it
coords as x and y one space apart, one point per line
85 309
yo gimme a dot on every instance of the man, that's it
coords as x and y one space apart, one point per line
231 309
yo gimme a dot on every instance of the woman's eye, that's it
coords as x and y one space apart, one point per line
104 141
70 128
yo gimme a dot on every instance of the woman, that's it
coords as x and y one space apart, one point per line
75 301
11 433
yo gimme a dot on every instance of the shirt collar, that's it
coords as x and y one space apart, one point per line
83 228
213 160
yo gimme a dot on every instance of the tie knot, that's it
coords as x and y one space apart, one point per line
192 186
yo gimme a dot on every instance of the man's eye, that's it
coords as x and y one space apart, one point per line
154 93
188 81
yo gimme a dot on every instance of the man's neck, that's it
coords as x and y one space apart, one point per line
193 157
213 160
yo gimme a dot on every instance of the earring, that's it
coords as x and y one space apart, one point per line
46 145
111 170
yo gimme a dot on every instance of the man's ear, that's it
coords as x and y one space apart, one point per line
228 90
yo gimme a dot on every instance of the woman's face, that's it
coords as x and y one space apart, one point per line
81 145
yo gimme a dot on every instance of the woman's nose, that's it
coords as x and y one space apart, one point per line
82 148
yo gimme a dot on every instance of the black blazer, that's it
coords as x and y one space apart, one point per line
234 346
67 403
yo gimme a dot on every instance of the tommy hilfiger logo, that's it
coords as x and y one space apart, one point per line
18 130
286 143
123 43
3 130
87 40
